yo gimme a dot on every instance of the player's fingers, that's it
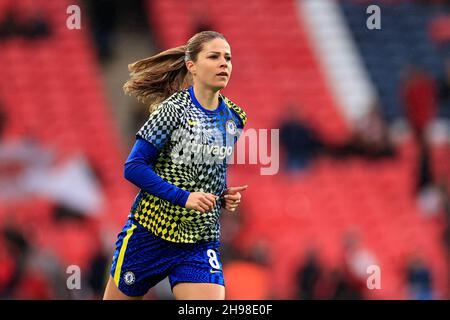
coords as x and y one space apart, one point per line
239 188
207 202
211 197
232 202
233 190
198 208
233 197
231 205
202 207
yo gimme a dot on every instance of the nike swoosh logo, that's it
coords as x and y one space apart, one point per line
214 271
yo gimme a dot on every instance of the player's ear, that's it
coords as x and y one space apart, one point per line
191 67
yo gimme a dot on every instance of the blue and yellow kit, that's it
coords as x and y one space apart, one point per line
195 145
161 238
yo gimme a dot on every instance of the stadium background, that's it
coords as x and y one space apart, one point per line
311 230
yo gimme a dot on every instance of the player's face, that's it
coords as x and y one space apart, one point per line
213 66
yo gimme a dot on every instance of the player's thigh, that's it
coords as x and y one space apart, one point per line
113 293
138 264
198 291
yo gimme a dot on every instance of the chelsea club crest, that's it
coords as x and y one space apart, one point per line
129 278
231 127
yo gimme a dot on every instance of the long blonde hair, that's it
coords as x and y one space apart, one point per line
154 79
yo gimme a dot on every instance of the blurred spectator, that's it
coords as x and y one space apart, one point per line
3 120
38 273
439 30
446 205
446 234
333 285
49 274
308 276
18 248
98 273
433 198
36 27
63 212
419 97
9 26
370 138
357 259
31 28
424 171
248 278
444 86
373 134
98 267
7 269
419 279
342 289
231 230
298 140
103 20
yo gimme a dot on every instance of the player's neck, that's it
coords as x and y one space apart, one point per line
208 99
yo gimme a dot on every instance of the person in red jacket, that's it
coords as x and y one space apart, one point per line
419 97
420 100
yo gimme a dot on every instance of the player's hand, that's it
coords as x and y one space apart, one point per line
233 197
201 201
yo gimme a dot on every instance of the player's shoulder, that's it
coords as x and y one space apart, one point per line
237 109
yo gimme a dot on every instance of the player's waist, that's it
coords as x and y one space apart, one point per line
149 203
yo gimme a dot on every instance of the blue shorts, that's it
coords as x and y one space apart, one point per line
141 260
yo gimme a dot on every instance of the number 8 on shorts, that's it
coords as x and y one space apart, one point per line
213 261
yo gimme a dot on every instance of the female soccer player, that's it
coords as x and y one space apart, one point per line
179 161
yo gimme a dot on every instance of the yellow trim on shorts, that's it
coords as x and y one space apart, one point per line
122 254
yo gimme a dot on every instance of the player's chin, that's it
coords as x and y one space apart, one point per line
219 85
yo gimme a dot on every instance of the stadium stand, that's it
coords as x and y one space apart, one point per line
274 65
53 91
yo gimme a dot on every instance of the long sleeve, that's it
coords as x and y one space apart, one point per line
138 171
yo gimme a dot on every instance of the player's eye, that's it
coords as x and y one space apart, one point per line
228 58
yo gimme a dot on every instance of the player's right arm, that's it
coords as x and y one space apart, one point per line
138 171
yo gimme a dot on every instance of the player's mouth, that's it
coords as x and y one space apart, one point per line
223 74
